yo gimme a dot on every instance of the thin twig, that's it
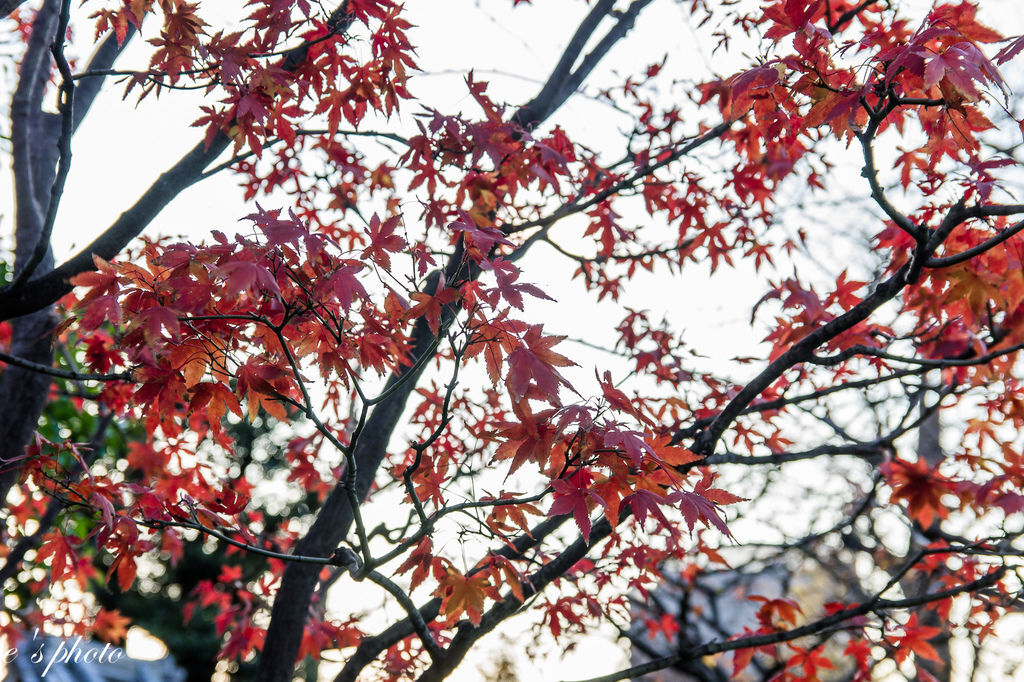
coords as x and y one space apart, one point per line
63 373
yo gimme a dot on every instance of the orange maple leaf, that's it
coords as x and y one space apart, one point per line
463 594
111 626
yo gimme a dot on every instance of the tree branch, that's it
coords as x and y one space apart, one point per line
963 256
13 559
48 288
336 514
779 403
642 172
26 125
8 6
849 14
817 627
801 351
468 634
416 618
863 450
23 392
547 100
370 648
62 373
870 172
625 22
868 351
65 105
87 87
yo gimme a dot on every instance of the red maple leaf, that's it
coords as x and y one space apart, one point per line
573 495
919 486
915 641
62 556
534 363
383 240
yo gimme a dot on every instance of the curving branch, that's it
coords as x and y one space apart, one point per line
801 351
874 449
372 647
65 105
847 16
931 363
49 370
826 625
870 173
966 255
48 288
547 100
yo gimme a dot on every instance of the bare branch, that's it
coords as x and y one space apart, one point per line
849 14
963 256
65 105
870 172
87 87
864 450
415 617
62 373
867 351
547 100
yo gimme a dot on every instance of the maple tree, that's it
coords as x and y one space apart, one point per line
443 441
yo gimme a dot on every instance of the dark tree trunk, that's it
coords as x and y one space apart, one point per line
34 134
930 449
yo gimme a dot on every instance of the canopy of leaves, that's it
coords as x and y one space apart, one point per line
379 385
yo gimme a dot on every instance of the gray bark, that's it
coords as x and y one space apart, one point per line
8 6
929 448
23 393
35 152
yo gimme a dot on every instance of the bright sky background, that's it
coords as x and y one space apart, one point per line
121 148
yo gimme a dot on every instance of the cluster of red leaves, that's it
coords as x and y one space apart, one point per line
208 329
